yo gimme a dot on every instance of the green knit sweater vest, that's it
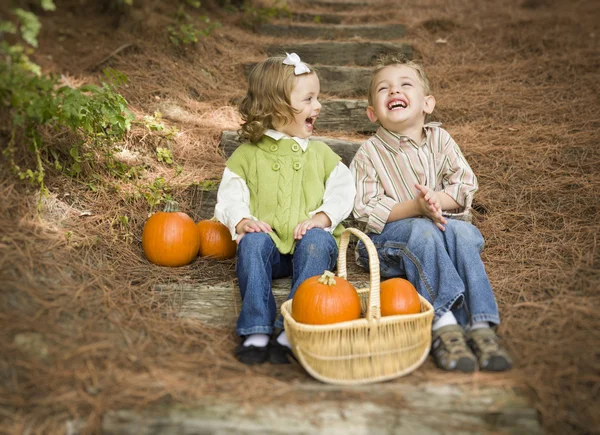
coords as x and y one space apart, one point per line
285 183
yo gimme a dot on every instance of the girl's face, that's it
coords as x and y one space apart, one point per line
304 99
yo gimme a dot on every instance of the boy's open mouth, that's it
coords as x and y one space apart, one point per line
397 104
310 122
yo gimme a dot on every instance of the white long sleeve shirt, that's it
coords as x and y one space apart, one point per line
233 196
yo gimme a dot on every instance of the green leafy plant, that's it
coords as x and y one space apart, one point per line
164 155
156 192
98 115
185 31
255 16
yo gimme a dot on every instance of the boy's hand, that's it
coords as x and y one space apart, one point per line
250 226
320 220
430 206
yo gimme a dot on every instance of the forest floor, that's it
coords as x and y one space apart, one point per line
83 331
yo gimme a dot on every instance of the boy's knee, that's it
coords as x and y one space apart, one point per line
424 229
464 233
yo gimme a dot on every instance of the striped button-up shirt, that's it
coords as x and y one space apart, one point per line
387 166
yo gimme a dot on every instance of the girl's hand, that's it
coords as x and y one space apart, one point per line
430 206
250 226
320 220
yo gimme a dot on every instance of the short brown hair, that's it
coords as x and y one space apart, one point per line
388 59
268 99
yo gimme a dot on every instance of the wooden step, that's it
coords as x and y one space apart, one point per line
388 32
218 304
340 53
337 6
345 115
394 407
341 81
310 17
345 149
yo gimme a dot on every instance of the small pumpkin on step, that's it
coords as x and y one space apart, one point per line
325 299
170 237
215 240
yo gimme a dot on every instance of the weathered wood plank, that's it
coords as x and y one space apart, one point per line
346 150
386 32
390 408
216 304
345 115
340 53
341 81
219 304
344 81
203 201
337 6
309 17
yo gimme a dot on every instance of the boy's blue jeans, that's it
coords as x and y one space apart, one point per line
444 266
259 262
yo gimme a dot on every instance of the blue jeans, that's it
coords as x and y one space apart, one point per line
444 266
259 262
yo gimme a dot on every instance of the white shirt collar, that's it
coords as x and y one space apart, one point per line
274 134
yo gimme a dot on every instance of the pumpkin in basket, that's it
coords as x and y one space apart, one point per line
170 237
325 299
399 296
215 240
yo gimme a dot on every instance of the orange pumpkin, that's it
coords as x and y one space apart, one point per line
170 237
399 296
215 240
325 299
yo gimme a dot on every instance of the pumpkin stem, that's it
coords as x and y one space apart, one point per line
328 278
214 219
171 206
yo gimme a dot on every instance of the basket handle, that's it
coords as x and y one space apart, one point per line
374 307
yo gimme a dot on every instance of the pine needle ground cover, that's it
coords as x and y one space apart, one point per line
83 329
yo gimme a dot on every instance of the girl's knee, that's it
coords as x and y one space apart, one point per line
253 243
316 242
317 236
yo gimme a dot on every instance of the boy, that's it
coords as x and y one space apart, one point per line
414 193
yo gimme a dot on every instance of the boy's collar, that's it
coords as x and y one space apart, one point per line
277 135
403 138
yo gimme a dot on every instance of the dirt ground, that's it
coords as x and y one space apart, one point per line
83 333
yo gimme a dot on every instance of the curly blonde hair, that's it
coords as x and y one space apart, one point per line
267 101
397 59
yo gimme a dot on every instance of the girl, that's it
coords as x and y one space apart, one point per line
283 197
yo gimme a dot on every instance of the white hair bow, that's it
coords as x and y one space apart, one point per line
299 66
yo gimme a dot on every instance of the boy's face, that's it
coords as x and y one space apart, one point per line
399 101
304 99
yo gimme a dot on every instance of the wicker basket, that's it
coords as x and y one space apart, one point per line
370 349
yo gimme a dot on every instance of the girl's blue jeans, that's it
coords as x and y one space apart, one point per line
259 262
444 266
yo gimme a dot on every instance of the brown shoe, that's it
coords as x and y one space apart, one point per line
491 355
450 351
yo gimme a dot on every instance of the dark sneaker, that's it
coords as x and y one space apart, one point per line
450 351
251 354
491 355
